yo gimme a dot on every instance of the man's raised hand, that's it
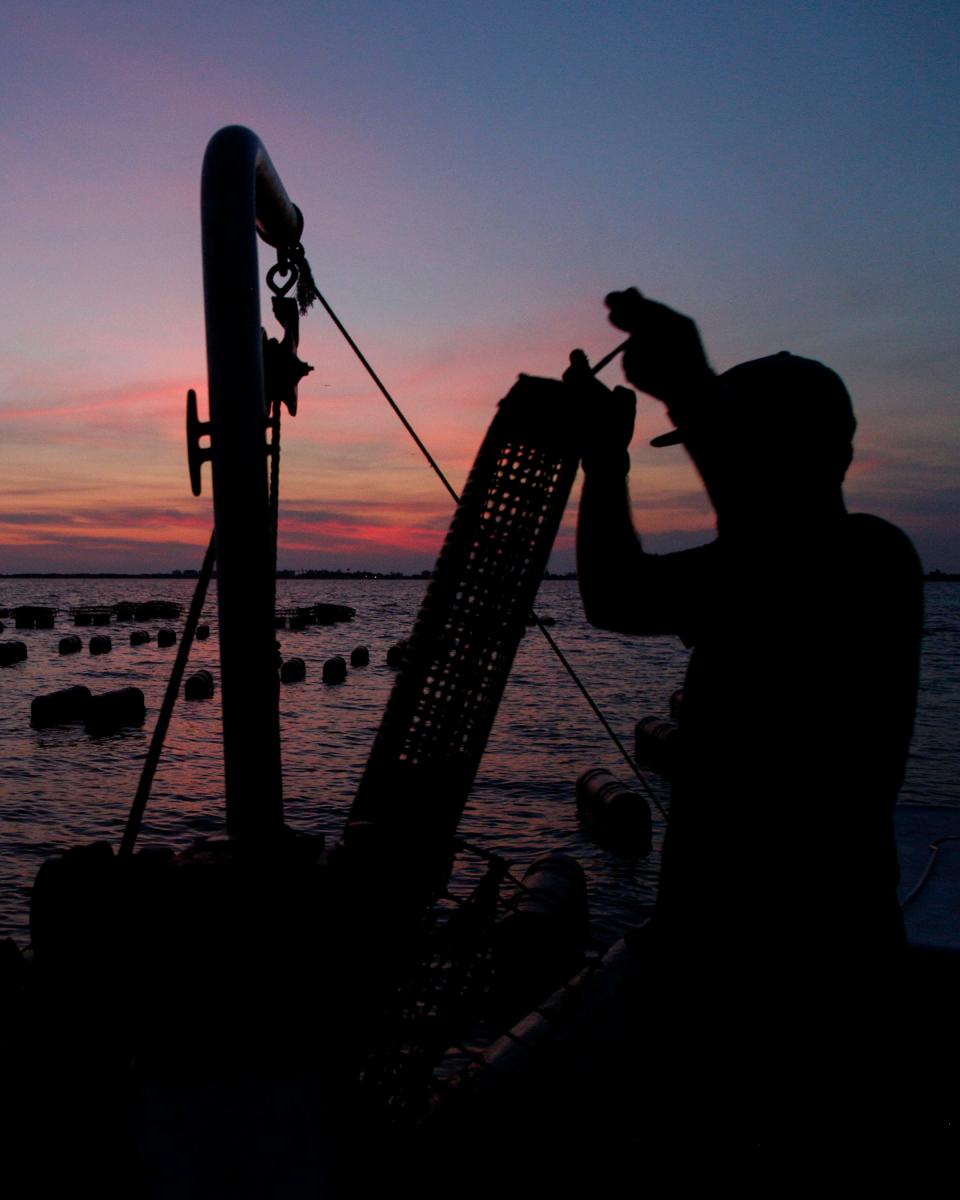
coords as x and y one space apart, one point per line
664 357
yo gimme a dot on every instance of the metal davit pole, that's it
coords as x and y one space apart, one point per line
241 197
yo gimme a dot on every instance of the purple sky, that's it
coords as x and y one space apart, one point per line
474 179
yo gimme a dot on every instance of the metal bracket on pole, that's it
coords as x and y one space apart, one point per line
197 455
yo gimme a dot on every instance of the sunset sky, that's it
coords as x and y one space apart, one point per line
474 177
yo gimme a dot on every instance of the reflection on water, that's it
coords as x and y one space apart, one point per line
60 786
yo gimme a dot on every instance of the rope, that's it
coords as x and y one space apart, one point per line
493 860
389 399
928 869
565 662
606 360
275 480
135 818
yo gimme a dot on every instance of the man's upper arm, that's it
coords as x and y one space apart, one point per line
661 593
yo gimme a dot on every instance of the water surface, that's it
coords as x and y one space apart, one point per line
60 786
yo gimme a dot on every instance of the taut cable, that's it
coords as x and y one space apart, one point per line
166 710
389 399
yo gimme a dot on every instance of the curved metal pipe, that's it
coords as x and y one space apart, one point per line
242 196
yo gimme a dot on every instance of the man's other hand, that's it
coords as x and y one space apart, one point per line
603 419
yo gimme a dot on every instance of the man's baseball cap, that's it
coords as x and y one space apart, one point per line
783 393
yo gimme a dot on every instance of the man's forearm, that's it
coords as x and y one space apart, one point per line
608 548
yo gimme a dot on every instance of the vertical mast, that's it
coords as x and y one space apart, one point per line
242 196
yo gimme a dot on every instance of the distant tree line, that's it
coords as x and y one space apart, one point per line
319 573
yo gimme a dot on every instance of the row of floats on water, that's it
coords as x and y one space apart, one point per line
108 711
35 616
334 670
13 652
40 616
617 815
125 706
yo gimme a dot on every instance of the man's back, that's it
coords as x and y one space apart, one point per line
798 709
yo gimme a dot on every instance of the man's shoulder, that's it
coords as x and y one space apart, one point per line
882 544
692 557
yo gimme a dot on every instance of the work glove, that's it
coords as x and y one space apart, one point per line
603 419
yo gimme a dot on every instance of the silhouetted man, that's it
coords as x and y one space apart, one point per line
777 924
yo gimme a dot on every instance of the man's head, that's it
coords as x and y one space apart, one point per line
798 409
778 430
794 409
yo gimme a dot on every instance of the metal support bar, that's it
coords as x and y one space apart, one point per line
242 196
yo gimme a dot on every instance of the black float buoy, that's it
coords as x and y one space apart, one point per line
139 637
112 710
71 644
203 632
656 745
57 708
166 636
539 942
12 652
294 670
397 654
554 884
359 656
614 813
335 669
199 686
100 643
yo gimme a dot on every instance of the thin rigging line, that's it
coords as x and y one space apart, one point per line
166 710
389 399
645 783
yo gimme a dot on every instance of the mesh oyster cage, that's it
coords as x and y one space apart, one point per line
425 756
436 724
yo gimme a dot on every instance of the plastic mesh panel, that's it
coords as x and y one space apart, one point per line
438 718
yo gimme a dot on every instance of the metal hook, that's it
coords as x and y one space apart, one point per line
281 289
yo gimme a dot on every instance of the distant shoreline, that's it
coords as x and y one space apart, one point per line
312 576
307 576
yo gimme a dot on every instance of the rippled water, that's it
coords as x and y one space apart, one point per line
60 786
